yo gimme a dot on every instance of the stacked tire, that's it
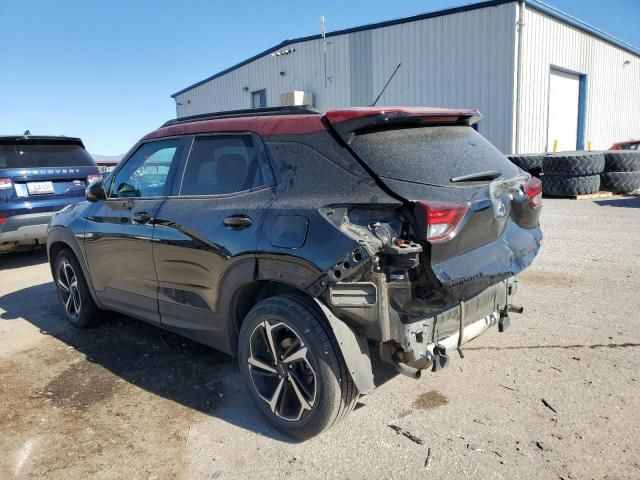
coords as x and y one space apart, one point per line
530 163
572 173
621 171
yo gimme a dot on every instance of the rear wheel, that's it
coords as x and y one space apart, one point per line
293 367
73 292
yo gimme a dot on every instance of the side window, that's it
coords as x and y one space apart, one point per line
146 172
223 164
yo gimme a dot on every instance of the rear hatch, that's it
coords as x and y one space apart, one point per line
475 212
40 174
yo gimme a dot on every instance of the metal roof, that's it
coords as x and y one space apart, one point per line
535 4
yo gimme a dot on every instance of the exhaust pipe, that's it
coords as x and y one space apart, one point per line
414 370
405 369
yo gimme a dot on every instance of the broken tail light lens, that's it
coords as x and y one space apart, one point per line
443 218
533 189
5 183
91 178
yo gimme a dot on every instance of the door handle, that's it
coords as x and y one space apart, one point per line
238 221
141 217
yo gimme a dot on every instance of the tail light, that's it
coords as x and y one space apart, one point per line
91 178
5 183
443 218
2 220
533 189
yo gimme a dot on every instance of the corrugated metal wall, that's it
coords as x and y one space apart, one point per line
613 88
464 59
460 60
303 70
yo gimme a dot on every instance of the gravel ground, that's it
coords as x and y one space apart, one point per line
556 396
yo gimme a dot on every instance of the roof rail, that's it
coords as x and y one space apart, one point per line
249 112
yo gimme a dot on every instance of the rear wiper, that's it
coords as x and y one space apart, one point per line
477 177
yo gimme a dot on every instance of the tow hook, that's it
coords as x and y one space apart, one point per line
505 321
440 358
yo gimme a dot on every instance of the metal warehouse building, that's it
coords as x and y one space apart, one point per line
541 78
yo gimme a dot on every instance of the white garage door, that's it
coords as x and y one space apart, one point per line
564 94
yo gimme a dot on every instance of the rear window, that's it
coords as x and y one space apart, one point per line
430 155
32 155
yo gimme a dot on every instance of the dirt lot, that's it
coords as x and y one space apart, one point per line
127 400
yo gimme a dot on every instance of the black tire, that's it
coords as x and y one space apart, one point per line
531 163
573 163
335 393
622 161
563 185
621 182
83 312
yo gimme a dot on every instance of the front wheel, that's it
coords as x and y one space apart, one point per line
293 367
73 292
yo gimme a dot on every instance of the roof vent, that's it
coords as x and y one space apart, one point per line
296 98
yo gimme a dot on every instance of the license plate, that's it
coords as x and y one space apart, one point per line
39 188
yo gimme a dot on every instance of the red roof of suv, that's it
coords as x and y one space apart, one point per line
288 122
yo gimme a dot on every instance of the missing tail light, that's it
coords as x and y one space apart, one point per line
91 178
443 219
5 184
533 189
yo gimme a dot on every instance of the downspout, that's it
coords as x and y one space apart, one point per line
520 25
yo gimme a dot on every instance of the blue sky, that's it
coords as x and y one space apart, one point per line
104 70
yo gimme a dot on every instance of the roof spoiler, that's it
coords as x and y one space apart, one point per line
353 119
40 140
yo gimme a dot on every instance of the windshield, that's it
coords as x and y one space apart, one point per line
43 155
430 155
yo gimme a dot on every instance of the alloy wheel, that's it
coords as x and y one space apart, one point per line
69 289
280 370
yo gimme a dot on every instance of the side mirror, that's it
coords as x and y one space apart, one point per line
95 191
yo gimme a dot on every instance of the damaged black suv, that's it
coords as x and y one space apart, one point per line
303 242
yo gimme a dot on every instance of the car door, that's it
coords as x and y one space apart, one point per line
209 226
119 230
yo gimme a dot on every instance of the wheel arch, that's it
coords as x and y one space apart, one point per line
353 347
59 239
250 294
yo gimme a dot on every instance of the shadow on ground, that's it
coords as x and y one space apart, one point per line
165 364
628 202
23 259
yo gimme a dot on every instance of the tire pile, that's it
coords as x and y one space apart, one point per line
572 173
621 171
580 173
529 162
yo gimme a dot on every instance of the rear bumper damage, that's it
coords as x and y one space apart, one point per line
427 342
409 342
418 303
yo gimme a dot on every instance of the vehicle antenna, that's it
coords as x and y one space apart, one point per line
386 84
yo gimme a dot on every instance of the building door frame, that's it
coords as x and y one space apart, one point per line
582 104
